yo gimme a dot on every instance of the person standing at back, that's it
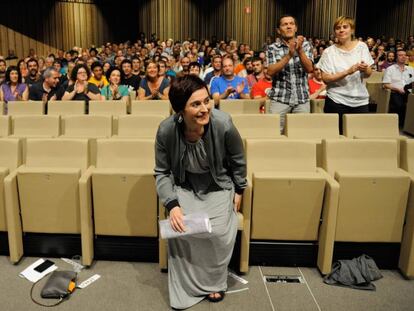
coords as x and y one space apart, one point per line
290 61
343 67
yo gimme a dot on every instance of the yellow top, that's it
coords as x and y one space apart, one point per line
99 83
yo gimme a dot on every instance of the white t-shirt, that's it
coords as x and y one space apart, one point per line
349 91
396 78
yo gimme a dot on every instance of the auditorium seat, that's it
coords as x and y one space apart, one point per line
379 96
45 192
242 106
123 190
409 116
372 126
25 108
314 127
87 126
291 199
257 125
317 105
5 125
1 108
66 107
114 108
138 126
10 159
35 126
373 205
154 107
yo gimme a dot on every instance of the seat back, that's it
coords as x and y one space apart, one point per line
49 185
108 107
32 125
370 125
139 126
304 125
407 155
10 159
379 96
1 108
87 126
242 106
409 115
30 107
317 105
124 194
5 126
257 125
66 107
154 107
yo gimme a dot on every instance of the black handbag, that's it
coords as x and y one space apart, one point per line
60 285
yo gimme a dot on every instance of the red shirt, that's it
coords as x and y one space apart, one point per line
314 86
260 87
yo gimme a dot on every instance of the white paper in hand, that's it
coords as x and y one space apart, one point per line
194 224
32 275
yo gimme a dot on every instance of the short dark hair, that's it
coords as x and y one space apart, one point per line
96 64
181 90
19 74
194 64
284 16
110 70
74 73
31 60
126 61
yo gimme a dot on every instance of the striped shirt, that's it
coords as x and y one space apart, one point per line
290 85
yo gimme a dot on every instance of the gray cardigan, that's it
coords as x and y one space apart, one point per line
224 149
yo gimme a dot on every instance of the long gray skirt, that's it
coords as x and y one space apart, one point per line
197 265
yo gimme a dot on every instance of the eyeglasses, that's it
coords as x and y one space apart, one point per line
81 72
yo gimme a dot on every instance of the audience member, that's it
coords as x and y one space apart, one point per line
47 88
153 86
13 89
98 78
115 90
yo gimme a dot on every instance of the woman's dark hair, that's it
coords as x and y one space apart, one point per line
19 74
74 73
110 70
96 64
181 90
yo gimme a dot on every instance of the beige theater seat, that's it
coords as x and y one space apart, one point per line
375 77
138 126
291 199
372 126
35 126
5 126
66 107
114 108
154 107
25 108
379 96
123 188
1 108
409 116
10 159
314 127
317 105
87 126
373 194
242 106
257 125
42 196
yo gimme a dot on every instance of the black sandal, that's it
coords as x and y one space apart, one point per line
216 299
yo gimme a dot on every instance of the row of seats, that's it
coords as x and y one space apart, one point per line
358 195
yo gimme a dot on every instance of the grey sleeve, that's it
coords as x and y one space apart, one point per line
236 159
163 177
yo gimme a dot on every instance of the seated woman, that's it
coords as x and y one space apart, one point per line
114 91
153 86
13 88
199 167
81 89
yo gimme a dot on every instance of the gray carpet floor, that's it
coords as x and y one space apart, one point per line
142 287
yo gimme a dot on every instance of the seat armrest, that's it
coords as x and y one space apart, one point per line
85 198
406 261
328 225
13 220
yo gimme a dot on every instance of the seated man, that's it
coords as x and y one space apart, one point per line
47 89
229 86
195 69
260 89
98 78
399 78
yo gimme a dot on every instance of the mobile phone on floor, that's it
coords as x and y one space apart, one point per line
44 265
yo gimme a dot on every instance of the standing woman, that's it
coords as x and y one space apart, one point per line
13 88
200 167
153 86
115 91
343 67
